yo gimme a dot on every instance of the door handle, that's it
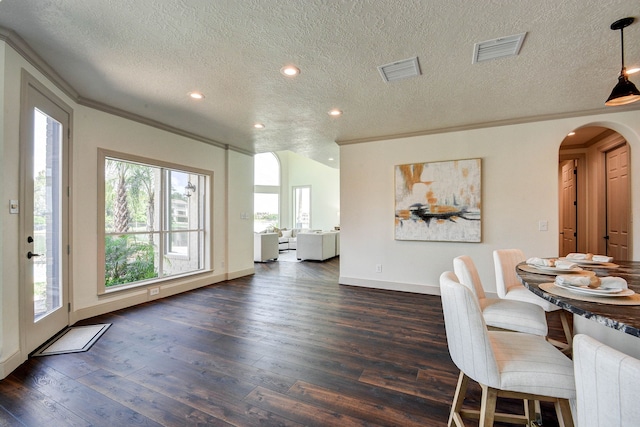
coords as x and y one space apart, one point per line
31 255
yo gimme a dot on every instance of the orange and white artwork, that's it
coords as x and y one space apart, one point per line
438 201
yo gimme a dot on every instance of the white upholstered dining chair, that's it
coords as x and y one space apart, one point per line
504 363
607 385
500 313
508 286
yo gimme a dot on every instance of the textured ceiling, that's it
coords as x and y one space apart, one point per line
144 56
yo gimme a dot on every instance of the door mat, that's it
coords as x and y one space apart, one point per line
75 339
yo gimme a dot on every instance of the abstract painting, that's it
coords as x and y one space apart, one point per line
438 201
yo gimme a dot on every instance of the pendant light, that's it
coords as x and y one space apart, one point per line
625 92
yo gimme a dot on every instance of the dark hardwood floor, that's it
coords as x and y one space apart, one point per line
288 346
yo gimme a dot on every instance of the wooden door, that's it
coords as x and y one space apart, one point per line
568 207
617 202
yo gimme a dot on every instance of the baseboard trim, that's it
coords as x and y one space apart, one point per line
11 363
131 299
390 286
241 273
108 306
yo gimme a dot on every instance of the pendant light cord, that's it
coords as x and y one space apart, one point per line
623 71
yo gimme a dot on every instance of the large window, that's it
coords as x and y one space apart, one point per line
154 221
302 206
266 197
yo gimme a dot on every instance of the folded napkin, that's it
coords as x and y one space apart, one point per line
577 280
579 256
611 282
602 258
542 262
565 265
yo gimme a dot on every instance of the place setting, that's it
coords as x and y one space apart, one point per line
608 290
573 263
590 260
553 266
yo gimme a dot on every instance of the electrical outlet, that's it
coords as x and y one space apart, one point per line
378 268
154 291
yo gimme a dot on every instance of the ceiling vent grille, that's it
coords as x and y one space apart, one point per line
400 70
497 48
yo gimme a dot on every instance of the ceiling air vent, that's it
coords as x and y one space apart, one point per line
400 70
497 48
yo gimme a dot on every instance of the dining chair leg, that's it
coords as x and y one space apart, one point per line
458 400
563 412
530 409
565 347
568 333
538 413
488 406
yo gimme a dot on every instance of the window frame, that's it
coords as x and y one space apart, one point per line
206 218
268 189
295 202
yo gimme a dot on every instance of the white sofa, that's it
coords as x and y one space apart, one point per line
265 247
317 246
289 238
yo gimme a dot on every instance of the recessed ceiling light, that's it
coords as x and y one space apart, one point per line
335 112
196 95
258 126
331 159
290 70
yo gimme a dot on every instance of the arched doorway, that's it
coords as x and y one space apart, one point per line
594 193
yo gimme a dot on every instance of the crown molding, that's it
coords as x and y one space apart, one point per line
95 105
18 44
497 123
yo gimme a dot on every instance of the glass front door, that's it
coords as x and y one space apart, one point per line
45 255
46 244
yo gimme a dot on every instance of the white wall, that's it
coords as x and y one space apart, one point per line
325 190
519 188
92 129
240 216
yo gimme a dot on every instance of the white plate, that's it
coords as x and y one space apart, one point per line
597 292
588 289
556 269
590 262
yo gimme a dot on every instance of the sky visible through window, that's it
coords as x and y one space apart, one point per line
266 169
266 204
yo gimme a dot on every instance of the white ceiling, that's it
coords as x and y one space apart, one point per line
144 56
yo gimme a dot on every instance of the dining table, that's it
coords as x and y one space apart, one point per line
617 320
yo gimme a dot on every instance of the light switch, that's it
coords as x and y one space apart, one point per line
14 207
543 225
